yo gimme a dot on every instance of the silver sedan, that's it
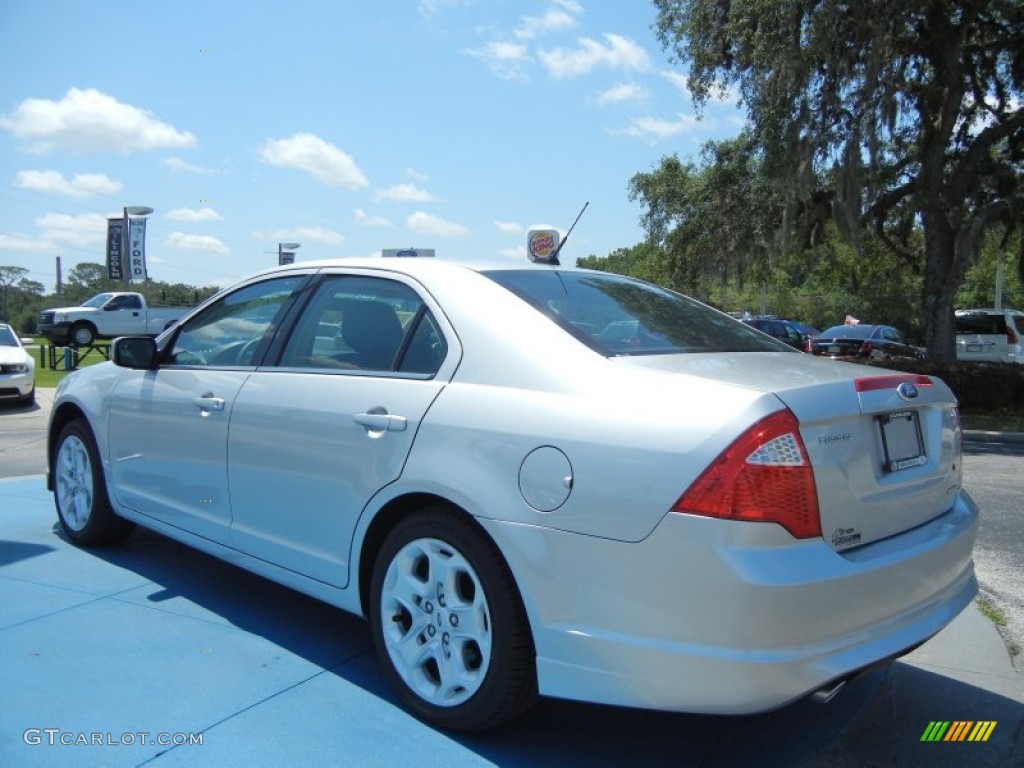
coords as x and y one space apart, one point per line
535 481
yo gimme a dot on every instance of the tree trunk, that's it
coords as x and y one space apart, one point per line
940 287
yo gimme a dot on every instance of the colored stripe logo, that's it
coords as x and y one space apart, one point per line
958 730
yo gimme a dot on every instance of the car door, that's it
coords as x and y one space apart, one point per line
168 428
316 435
122 316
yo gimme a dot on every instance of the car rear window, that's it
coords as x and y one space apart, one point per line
848 332
616 315
981 324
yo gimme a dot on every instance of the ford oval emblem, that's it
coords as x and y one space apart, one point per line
906 390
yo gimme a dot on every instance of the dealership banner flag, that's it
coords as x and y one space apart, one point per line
137 249
115 241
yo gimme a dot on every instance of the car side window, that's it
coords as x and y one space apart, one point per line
365 324
125 302
235 329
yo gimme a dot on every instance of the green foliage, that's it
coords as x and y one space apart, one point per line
908 117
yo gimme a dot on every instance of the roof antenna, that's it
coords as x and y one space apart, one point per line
554 256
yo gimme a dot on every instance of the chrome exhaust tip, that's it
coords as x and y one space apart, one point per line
826 693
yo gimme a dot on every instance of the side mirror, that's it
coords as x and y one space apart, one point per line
134 352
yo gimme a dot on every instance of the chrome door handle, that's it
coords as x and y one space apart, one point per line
381 421
208 402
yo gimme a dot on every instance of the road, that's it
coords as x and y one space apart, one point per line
992 472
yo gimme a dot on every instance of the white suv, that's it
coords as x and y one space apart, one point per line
990 335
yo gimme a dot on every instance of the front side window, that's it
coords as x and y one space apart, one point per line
235 329
616 315
125 302
365 324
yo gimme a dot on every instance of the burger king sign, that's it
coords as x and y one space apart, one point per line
542 245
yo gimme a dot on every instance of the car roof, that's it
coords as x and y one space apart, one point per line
415 266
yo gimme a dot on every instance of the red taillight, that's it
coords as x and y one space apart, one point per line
865 348
764 476
1011 335
891 382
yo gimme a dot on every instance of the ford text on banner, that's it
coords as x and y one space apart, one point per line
115 265
137 249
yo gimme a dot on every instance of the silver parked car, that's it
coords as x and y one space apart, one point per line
535 480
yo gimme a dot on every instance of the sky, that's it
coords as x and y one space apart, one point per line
347 126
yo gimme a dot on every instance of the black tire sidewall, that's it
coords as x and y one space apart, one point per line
103 525
495 702
82 327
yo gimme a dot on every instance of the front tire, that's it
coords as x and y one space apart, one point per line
83 335
448 624
80 492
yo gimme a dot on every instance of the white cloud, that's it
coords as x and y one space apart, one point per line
657 128
519 254
321 159
427 224
83 229
624 92
176 164
619 53
416 175
206 243
90 121
301 235
194 214
82 185
509 227
552 20
18 242
506 60
405 193
368 220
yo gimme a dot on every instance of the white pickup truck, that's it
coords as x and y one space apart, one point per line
106 316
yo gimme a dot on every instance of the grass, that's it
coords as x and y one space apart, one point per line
1001 421
990 611
49 377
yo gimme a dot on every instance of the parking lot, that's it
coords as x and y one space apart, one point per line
130 655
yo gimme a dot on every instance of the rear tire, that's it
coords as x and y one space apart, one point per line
448 624
79 490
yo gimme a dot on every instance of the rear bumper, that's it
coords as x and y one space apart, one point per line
732 618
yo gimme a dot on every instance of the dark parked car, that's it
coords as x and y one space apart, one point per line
783 330
864 342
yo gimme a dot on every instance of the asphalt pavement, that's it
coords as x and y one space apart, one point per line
150 653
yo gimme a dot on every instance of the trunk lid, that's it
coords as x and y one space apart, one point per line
884 446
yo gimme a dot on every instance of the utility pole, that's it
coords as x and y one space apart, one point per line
59 282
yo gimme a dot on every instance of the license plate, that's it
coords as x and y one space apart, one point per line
901 440
974 347
834 349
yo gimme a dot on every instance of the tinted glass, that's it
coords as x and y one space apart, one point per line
7 338
848 332
361 323
617 315
983 324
